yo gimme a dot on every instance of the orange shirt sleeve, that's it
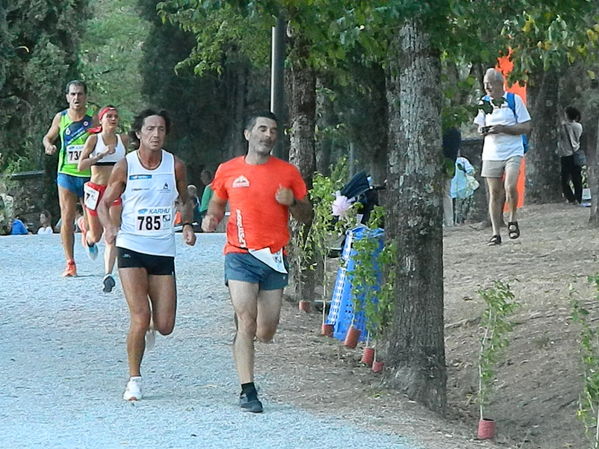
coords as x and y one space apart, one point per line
218 183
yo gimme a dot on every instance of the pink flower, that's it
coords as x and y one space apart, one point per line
341 205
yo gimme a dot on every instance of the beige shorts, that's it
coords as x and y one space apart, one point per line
496 169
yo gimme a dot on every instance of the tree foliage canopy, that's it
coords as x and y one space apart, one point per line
111 52
39 53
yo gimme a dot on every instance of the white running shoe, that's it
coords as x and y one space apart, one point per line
133 390
150 338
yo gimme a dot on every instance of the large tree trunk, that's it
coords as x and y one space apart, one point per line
302 119
542 163
415 343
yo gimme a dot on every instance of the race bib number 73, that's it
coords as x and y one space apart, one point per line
74 153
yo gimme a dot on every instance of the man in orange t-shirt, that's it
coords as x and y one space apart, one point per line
261 191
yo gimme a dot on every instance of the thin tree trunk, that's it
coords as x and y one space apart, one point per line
302 151
592 152
378 141
415 342
326 118
542 163
236 79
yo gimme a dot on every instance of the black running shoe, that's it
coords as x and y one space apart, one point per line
108 283
250 405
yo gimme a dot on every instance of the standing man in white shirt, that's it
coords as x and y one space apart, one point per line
148 180
502 128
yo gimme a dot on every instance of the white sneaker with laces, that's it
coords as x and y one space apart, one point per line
133 390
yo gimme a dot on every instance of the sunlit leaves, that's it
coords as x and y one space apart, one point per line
222 32
111 51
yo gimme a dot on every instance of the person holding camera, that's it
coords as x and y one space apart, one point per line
502 125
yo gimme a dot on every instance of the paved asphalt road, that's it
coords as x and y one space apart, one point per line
63 364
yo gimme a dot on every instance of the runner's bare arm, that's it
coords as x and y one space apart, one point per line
185 203
115 188
215 213
85 162
301 210
51 135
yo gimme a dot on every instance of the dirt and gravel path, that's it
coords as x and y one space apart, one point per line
63 361
63 365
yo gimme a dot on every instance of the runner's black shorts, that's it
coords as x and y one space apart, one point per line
155 265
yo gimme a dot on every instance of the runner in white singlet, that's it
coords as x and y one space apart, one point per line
148 181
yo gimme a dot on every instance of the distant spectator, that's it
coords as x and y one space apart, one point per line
452 139
17 227
45 223
206 178
463 186
192 191
6 213
569 151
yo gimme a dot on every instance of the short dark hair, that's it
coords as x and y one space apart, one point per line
75 83
138 122
251 119
572 113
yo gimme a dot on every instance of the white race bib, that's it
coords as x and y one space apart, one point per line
74 153
91 197
151 219
273 260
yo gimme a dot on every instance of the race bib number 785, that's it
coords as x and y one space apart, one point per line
154 219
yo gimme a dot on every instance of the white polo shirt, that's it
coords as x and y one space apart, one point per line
500 147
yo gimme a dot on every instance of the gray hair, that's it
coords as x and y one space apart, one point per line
494 75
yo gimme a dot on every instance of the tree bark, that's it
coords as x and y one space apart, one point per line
235 80
592 152
542 163
376 150
302 119
415 342
326 118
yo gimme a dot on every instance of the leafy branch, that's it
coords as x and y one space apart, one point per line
311 243
495 325
373 276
